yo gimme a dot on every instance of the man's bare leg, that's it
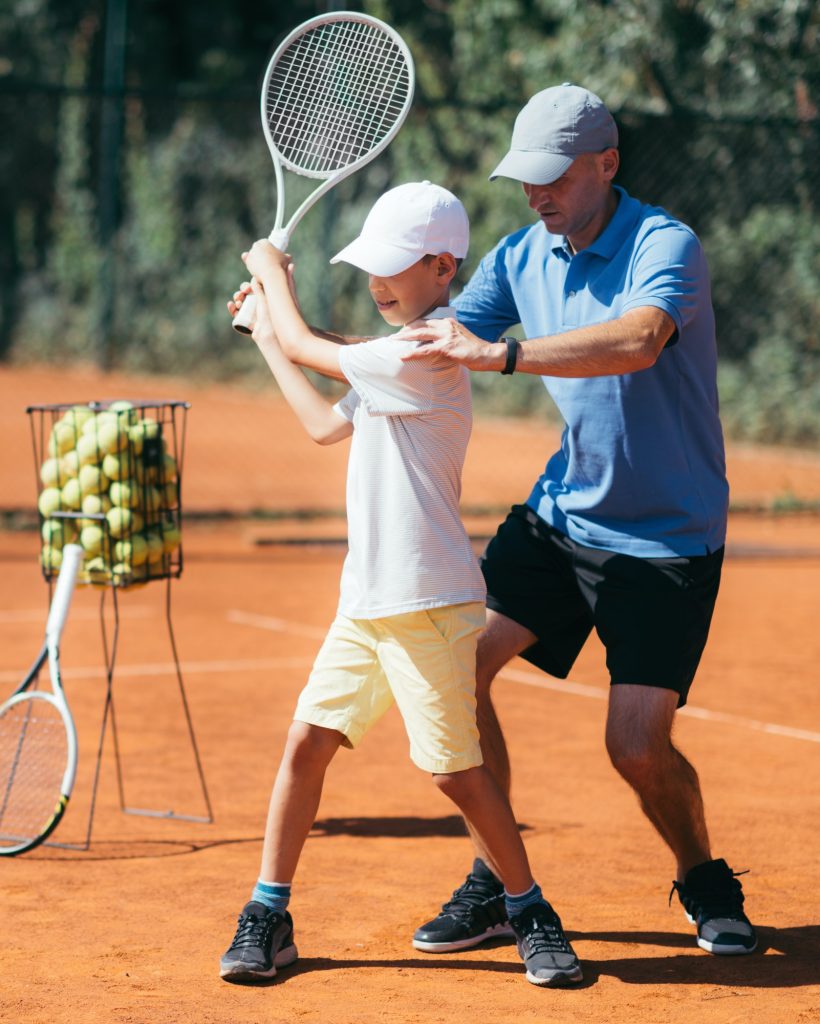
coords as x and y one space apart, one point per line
639 742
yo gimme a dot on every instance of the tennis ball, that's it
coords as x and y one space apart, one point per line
96 572
70 464
170 496
133 552
121 574
51 557
154 547
92 480
112 437
120 520
92 539
124 493
88 451
71 494
126 413
58 532
52 474
117 465
96 504
78 416
170 537
142 431
168 470
63 437
50 501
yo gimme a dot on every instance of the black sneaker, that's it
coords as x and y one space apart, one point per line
712 899
474 913
545 950
263 942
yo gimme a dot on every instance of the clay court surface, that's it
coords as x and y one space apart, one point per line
131 929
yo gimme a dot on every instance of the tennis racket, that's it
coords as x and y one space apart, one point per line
335 94
38 741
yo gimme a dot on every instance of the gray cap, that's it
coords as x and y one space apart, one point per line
556 126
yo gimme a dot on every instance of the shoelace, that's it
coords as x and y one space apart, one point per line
253 931
471 894
725 902
545 935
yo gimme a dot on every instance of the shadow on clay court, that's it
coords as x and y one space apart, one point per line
797 965
394 827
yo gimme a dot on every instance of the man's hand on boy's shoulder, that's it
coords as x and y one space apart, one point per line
447 337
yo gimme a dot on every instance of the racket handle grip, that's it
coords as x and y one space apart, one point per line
72 557
244 319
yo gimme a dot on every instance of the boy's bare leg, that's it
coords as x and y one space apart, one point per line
485 807
500 641
295 797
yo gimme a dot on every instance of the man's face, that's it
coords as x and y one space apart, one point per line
572 204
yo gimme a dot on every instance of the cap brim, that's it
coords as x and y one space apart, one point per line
376 257
531 167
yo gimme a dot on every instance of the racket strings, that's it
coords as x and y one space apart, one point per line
33 755
334 94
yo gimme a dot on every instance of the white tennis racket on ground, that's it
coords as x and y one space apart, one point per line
335 94
38 741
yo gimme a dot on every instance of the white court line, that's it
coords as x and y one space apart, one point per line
169 669
598 693
275 625
559 686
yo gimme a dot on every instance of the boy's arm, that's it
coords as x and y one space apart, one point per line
314 411
245 290
299 343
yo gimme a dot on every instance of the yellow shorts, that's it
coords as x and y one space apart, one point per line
423 660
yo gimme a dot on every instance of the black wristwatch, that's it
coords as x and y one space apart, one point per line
512 354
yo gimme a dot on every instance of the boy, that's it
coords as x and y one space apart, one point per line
412 596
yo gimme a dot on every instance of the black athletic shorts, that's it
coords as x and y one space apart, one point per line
651 614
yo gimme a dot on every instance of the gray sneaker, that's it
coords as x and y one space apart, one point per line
712 899
545 950
263 942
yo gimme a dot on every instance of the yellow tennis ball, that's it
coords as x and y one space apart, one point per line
78 416
124 493
96 572
170 537
50 501
92 539
168 469
142 431
52 474
58 532
88 451
126 413
117 465
51 557
70 464
96 504
63 437
120 520
92 480
133 551
154 547
71 494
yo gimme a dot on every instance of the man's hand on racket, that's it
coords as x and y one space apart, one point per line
447 337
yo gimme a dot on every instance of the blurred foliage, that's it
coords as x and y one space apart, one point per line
716 102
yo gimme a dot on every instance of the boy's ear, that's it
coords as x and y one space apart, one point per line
446 266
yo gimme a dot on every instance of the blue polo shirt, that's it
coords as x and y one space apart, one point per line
641 467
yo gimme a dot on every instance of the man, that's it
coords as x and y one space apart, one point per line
624 531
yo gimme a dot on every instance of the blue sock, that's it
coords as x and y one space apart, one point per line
515 904
274 895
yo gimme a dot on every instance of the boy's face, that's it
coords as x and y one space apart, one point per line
407 296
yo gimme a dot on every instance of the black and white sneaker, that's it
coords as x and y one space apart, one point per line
475 912
712 899
263 942
545 950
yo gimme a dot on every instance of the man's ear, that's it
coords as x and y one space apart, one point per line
610 162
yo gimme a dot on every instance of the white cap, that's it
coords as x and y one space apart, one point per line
556 126
408 222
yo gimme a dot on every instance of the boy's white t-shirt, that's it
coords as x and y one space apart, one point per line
408 548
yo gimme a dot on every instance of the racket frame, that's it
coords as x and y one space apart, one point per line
58 612
280 236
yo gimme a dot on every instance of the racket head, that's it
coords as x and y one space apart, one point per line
38 763
335 93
